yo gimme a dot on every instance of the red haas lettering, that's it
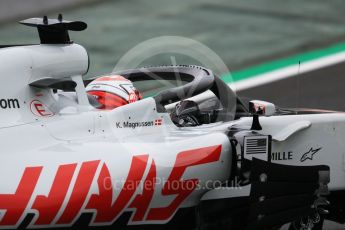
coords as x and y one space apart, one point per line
142 201
15 204
184 187
79 193
107 210
104 204
49 206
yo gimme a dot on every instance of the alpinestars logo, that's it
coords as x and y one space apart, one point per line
134 125
310 154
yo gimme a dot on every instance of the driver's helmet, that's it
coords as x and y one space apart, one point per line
113 91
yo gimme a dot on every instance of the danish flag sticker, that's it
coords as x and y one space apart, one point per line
158 122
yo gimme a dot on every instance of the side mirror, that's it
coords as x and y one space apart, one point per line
262 108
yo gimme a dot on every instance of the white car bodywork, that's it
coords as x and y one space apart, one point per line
62 158
51 134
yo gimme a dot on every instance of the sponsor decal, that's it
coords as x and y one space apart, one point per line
158 122
134 125
282 156
256 144
67 198
10 103
310 154
39 109
132 97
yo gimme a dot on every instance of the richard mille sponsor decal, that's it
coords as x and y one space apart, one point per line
282 156
134 125
9 103
310 154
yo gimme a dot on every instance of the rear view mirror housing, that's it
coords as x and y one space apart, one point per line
262 107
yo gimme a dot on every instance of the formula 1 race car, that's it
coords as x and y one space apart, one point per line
201 163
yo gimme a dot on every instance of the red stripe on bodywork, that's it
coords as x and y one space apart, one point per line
107 210
142 201
15 204
183 188
49 206
80 191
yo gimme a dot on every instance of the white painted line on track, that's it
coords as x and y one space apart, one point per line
288 71
276 75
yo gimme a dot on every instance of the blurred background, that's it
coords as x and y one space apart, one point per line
252 37
245 34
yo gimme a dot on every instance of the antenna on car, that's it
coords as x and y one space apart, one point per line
60 17
298 83
45 20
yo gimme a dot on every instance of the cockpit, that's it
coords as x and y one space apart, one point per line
191 94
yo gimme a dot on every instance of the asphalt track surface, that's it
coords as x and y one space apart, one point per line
319 89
